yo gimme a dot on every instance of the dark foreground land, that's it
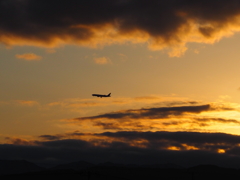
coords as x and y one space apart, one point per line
111 172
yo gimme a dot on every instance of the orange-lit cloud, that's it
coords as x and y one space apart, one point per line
171 118
146 98
97 24
76 103
102 60
29 57
26 103
19 141
221 151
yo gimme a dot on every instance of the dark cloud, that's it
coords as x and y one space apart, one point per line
50 137
191 138
18 141
125 125
151 113
158 118
191 148
160 22
69 143
201 121
220 120
108 125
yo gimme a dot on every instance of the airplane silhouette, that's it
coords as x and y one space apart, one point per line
101 95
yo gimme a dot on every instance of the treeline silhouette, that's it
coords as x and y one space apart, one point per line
110 171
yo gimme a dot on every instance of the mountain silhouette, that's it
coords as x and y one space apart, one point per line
79 165
114 171
163 166
210 168
18 166
110 164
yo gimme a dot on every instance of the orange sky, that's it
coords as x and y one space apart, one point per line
173 75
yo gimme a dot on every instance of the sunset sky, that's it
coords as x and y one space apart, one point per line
172 67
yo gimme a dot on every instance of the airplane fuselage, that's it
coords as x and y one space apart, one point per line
102 95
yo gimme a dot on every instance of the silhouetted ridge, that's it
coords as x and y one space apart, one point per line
79 165
18 166
210 168
163 166
110 164
114 171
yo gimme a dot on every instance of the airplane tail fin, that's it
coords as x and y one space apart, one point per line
109 94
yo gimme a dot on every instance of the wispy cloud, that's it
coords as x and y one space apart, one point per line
29 57
190 117
76 105
118 101
102 60
88 24
151 113
26 103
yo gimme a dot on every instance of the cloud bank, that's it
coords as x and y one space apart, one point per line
160 23
183 148
181 132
